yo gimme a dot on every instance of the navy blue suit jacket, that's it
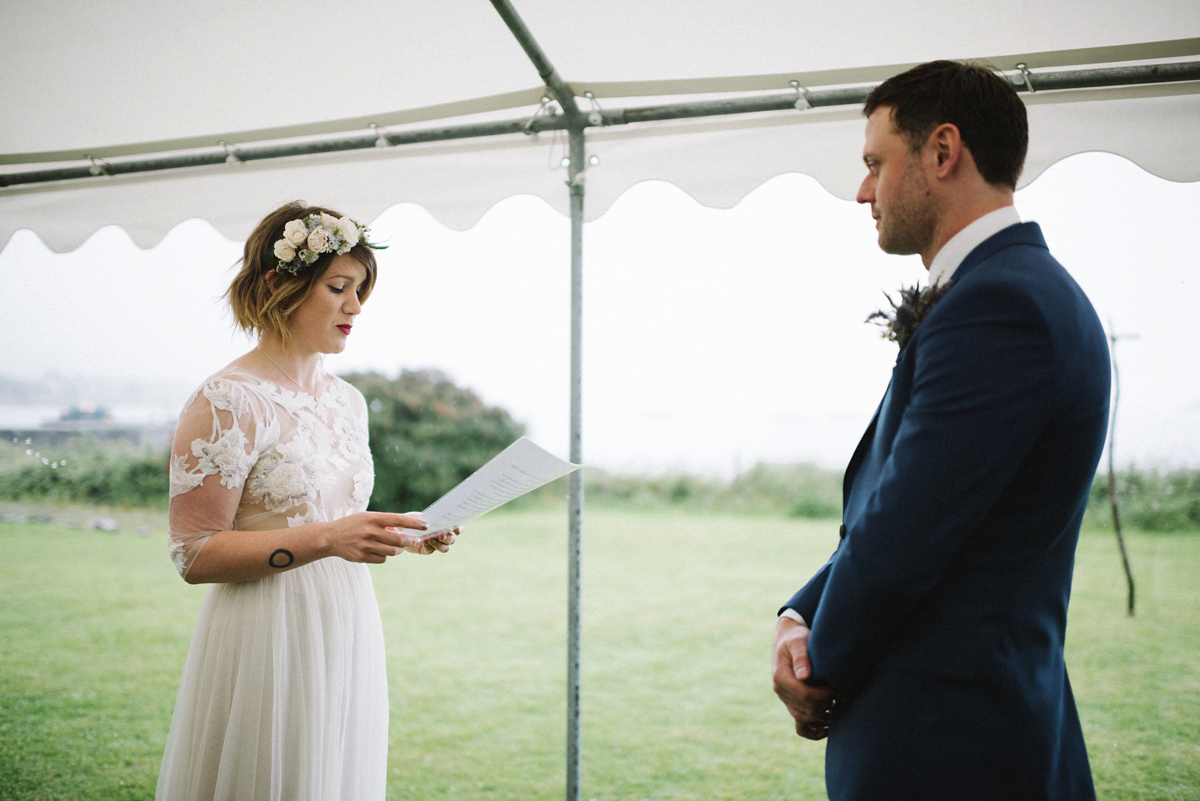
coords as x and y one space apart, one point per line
940 618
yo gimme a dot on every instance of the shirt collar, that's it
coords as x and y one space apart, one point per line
961 244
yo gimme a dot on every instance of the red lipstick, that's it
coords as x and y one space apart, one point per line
345 329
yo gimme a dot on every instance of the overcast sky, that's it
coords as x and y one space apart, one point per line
713 339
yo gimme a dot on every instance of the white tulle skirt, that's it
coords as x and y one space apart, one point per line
284 693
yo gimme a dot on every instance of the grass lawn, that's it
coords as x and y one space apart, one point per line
678 617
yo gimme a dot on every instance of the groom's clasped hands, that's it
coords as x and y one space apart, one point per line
811 707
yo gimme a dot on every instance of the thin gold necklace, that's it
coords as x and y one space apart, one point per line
286 373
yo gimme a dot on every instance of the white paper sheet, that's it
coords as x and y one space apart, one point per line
520 468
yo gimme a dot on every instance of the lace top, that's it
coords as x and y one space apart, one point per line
251 455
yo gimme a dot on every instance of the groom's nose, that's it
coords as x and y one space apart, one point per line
866 190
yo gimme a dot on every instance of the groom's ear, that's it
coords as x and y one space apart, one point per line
945 143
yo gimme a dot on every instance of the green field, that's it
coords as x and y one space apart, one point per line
678 618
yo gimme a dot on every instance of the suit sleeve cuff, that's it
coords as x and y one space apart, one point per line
794 615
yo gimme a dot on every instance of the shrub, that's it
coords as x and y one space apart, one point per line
84 470
1149 500
802 490
427 434
797 490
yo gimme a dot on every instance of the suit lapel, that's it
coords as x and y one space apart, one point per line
1022 233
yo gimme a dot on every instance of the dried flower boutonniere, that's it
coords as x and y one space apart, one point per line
901 322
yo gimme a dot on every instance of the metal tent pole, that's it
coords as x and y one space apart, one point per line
575 125
575 485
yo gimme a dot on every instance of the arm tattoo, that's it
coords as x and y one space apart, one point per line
281 558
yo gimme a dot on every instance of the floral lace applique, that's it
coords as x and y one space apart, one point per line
181 480
178 553
226 455
364 482
282 478
321 437
334 400
352 440
307 516
228 396
296 459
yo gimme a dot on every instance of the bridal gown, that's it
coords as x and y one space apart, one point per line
284 692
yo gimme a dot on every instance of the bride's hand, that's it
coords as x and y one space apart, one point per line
373 536
440 543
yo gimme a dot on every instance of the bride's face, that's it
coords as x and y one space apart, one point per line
324 319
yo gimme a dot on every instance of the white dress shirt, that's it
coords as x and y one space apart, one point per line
961 244
944 264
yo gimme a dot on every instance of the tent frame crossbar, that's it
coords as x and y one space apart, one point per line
1047 80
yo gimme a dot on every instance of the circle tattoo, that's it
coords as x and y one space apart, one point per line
281 558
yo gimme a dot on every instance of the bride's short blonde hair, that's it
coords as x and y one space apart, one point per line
260 310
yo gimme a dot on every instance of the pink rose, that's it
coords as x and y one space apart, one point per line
318 240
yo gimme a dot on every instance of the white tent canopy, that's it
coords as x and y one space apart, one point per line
117 79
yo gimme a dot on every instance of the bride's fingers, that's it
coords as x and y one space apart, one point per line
435 544
398 538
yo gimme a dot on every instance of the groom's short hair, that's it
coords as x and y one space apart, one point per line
984 107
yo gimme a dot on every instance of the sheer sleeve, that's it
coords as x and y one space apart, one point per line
217 442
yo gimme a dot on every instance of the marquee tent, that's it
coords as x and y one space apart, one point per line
93 86
145 113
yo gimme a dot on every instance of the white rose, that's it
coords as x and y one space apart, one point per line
295 233
284 250
318 240
349 234
328 221
349 231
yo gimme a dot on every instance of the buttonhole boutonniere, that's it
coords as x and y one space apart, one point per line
902 320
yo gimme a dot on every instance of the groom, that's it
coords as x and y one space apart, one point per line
929 648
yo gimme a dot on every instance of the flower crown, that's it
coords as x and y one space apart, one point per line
305 239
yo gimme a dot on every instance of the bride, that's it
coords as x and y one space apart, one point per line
284 692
